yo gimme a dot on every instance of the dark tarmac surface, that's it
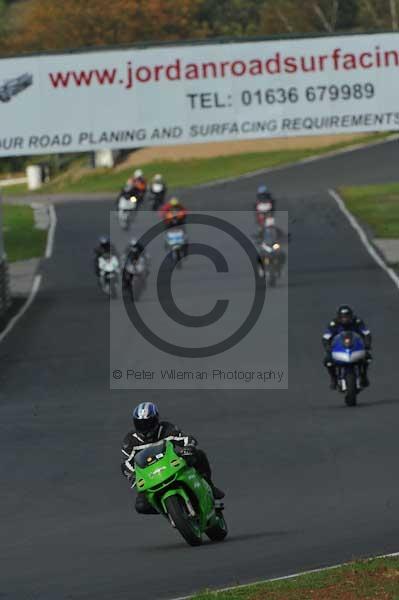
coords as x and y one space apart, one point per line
309 482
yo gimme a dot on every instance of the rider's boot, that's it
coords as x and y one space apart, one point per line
218 494
333 382
329 365
333 377
365 379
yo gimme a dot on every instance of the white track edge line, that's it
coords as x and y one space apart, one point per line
363 237
37 278
35 288
284 577
51 231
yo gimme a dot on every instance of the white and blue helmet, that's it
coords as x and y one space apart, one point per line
146 418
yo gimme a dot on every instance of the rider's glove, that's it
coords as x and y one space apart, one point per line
132 479
188 453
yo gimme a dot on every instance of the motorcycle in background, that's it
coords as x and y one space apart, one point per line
176 245
348 353
272 258
264 211
139 189
108 266
127 207
157 195
135 275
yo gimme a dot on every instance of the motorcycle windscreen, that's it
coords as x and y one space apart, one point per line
264 207
347 340
150 455
175 237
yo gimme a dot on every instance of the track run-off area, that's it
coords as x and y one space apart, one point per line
308 482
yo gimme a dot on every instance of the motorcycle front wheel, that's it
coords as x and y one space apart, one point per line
124 222
175 259
272 278
351 391
112 289
185 524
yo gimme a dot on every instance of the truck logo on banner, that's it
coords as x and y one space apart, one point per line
12 87
182 94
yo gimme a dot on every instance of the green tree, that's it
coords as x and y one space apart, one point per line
309 16
347 14
44 25
378 14
230 17
3 8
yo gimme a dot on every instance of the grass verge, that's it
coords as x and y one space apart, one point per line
184 173
21 239
377 206
375 579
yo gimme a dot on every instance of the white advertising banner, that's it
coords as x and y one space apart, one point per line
200 93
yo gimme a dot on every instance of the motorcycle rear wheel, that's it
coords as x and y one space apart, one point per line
184 523
218 532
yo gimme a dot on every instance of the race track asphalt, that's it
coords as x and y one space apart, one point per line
308 481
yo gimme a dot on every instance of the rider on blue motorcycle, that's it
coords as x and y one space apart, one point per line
148 429
346 320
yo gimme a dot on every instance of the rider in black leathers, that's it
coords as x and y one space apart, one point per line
134 251
346 320
149 429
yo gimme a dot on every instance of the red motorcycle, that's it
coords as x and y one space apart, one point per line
264 211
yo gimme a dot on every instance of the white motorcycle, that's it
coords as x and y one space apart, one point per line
108 266
127 207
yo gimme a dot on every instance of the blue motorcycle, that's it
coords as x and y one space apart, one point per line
176 244
349 355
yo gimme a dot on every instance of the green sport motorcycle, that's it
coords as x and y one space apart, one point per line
178 492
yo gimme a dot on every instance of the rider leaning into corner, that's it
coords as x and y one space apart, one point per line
346 320
149 430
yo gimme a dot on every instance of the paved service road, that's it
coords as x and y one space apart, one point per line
309 482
